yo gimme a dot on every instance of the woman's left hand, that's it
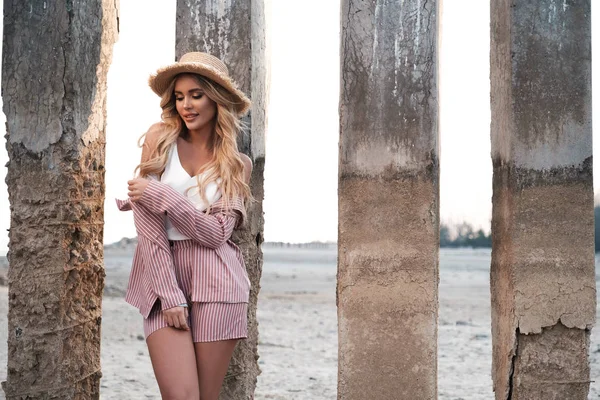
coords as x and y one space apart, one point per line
136 188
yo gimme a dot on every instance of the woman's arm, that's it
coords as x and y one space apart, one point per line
247 167
158 256
209 230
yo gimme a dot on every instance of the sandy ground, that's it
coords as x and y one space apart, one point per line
298 330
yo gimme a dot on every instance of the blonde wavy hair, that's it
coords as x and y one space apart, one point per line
226 164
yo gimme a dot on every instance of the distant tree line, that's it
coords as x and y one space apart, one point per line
464 236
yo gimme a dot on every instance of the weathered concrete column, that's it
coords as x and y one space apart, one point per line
542 276
55 60
388 200
235 31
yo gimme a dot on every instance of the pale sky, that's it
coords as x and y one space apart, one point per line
302 140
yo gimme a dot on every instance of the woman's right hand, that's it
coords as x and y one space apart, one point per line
136 188
176 317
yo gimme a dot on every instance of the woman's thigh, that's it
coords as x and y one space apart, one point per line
173 359
212 359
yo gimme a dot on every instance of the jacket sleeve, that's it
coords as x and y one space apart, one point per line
209 230
156 254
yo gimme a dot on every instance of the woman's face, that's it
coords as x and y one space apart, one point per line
193 105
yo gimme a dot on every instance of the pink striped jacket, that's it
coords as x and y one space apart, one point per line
221 274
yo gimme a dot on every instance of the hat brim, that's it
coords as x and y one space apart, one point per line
160 82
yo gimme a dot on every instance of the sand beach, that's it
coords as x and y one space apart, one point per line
298 328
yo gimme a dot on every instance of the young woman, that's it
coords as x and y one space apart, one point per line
189 196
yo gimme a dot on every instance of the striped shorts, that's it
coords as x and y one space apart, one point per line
208 322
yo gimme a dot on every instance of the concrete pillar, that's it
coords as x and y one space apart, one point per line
542 273
388 200
235 31
55 60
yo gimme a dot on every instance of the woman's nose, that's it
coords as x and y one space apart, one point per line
187 102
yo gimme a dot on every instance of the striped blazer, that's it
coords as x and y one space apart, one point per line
221 274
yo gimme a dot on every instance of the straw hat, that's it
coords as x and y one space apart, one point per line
202 64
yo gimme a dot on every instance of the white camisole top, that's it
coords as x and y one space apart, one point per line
178 178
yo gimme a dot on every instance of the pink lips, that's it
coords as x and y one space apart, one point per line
190 117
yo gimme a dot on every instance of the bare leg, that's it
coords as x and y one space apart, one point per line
172 354
212 359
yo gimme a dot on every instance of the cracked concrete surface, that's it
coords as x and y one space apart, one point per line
542 277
